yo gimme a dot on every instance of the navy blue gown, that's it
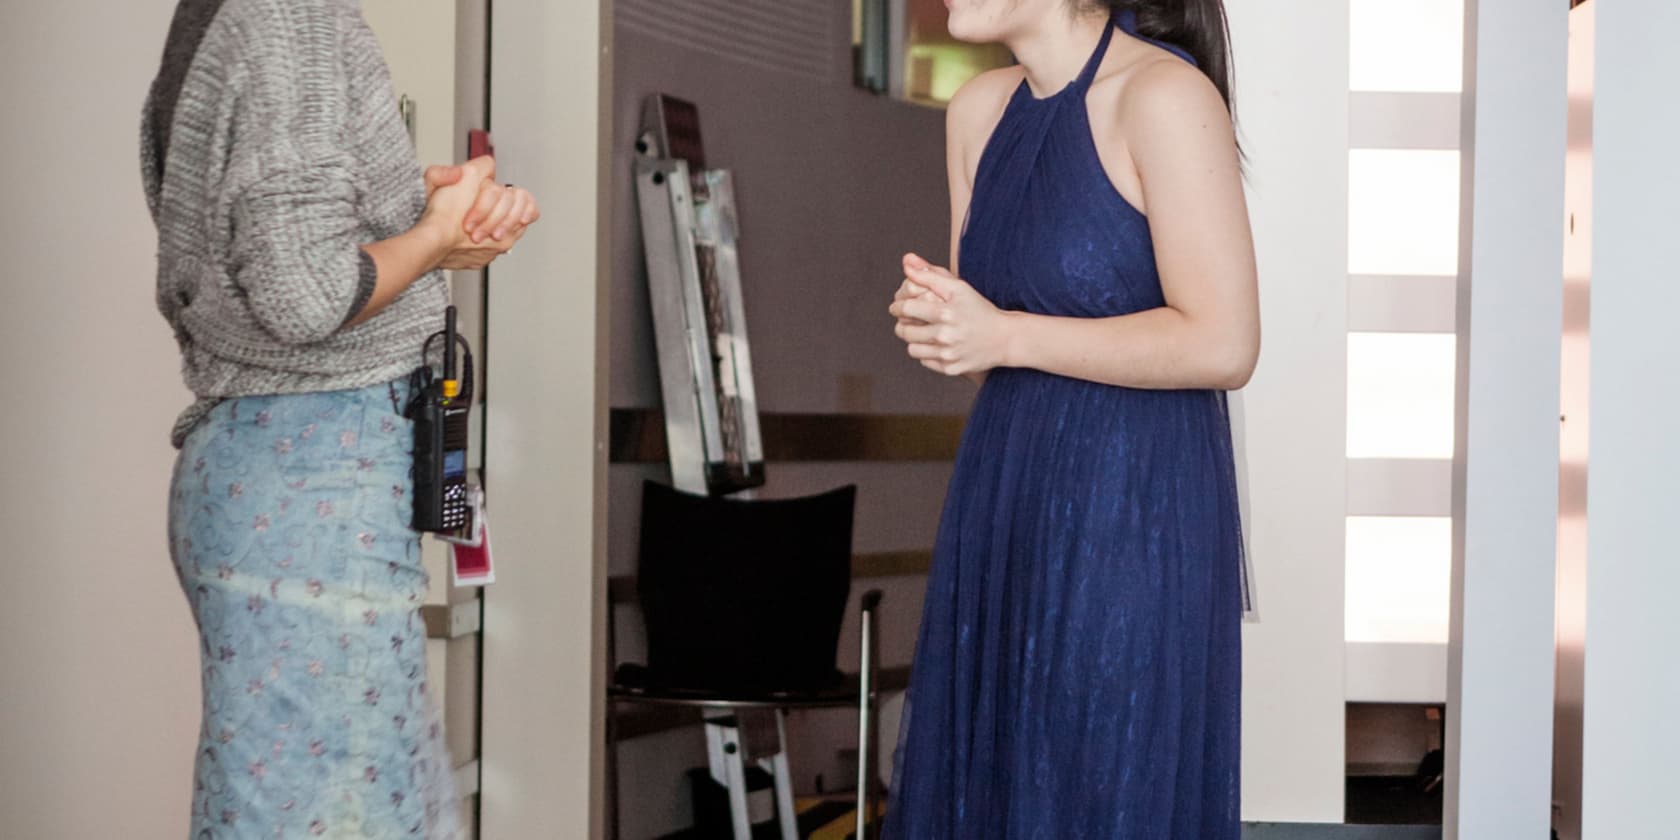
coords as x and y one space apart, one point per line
1079 667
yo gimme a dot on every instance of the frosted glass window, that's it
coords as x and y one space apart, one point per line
1400 395
1403 212
1399 578
903 47
1407 45
935 64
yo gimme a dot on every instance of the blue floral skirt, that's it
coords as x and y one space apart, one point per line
289 527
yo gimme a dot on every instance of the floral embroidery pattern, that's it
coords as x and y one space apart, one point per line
313 649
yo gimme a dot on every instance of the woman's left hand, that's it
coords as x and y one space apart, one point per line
502 211
961 332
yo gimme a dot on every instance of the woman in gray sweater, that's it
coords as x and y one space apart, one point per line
300 250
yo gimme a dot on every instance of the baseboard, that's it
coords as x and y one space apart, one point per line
1331 831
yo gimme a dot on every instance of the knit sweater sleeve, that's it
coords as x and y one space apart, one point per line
291 190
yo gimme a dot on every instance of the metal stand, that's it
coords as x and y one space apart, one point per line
728 753
689 231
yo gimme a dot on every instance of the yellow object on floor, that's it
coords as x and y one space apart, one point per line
840 826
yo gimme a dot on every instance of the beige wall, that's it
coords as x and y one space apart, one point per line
99 704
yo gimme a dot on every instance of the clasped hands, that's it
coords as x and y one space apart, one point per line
946 324
473 218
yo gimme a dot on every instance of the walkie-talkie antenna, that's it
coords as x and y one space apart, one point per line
451 384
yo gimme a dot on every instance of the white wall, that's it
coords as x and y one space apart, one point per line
1292 102
1501 651
1632 684
99 710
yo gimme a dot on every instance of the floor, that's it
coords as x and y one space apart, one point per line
1251 831
1378 808
833 821
1302 831
1391 800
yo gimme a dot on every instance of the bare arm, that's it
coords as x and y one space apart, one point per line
960 127
1176 132
398 262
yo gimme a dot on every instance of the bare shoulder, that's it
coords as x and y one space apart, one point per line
978 105
1163 98
1154 108
986 93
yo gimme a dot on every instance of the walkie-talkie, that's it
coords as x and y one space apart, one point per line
439 407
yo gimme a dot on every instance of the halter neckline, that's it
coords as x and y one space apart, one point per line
1089 72
1082 82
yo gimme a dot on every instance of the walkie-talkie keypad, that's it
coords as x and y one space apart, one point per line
455 506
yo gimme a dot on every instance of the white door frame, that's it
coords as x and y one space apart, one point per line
1501 650
545 423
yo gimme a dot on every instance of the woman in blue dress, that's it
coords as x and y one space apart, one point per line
1078 672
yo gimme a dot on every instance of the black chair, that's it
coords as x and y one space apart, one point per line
743 603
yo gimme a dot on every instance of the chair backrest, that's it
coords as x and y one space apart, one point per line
744 595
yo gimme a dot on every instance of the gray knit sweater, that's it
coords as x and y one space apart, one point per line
272 150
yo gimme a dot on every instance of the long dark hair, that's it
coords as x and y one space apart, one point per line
1196 26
